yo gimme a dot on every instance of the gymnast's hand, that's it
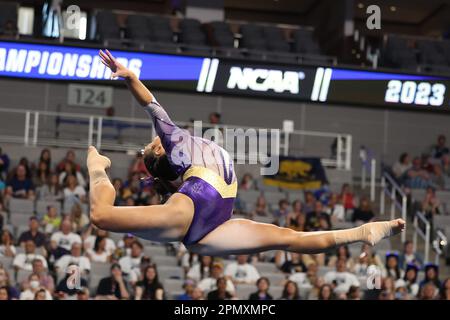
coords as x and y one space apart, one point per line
95 161
118 70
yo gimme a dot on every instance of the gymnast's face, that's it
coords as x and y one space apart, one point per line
155 147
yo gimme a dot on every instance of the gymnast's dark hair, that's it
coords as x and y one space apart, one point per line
162 172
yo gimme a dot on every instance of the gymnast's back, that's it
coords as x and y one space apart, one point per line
187 153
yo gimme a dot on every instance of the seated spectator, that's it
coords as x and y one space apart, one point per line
437 178
33 286
20 186
431 205
347 198
113 287
241 271
51 221
326 292
247 182
439 149
341 278
410 279
335 209
188 287
70 170
310 201
130 264
73 194
354 293
4 293
7 248
74 258
197 294
33 234
290 291
431 275
51 191
260 207
79 219
63 292
42 174
124 245
201 269
366 258
221 293
428 291
416 176
297 222
4 164
342 252
392 266
61 241
363 213
13 293
90 239
401 292
408 256
210 283
294 264
99 253
83 294
138 166
23 261
445 290
282 212
263 285
313 222
402 165
69 158
46 280
46 157
149 288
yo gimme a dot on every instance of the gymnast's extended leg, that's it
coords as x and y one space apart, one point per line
245 236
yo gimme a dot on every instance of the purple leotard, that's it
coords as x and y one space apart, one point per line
207 171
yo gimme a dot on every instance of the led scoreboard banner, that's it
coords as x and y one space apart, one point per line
225 76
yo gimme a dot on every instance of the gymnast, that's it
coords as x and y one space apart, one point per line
198 213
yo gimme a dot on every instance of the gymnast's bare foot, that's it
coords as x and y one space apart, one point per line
374 232
95 161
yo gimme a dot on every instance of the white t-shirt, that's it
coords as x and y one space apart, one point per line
338 211
110 246
210 284
98 257
65 240
82 262
131 266
3 250
78 191
344 280
301 279
29 295
25 261
194 273
242 272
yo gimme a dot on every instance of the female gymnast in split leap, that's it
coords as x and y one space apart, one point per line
199 212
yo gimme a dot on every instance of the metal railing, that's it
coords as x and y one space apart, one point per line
368 166
419 221
390 187
46 128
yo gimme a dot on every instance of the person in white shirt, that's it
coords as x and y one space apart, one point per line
241 271
131 265
74 257
342 279
7 248
89 242
33 286
210 283
24 261
99 253
65 238
73 193
201 269
335 208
